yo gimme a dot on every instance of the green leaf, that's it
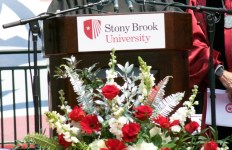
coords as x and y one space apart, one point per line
157 140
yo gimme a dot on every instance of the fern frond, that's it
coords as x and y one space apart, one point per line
167 105
44 141
160 89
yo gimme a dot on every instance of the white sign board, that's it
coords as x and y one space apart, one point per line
121 32
223 109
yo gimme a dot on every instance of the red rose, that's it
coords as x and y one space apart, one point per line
166 148
191 127
211 145
143 112
110 91
90 123
77 114
62 141
130 131
114 144
164 122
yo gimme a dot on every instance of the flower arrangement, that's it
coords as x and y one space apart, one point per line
129 115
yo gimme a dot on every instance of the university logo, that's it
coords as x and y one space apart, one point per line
92 28
229 108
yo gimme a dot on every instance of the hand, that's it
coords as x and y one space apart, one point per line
226 80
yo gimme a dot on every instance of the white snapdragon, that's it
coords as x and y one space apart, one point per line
154 131
75 130
67 136
69 133
118 111
180 114
116 126
54 119
143 146
66 108
59 128
196 103
62 119
97 145
74 139
110 75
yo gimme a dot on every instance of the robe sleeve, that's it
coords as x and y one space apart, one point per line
199 54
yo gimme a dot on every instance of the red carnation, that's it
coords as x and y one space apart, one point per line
62 141
191 127
211 145
130 131
143 112
114 144
90 123
164 122
110 91
77 114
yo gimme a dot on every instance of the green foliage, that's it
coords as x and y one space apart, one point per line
43 141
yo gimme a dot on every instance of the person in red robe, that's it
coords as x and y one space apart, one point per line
199 54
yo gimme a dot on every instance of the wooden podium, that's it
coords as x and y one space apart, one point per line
60 40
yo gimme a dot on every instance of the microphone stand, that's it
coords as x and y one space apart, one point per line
211 29
34 27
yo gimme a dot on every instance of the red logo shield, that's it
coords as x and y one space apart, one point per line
92 28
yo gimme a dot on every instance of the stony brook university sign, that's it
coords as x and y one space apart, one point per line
122 32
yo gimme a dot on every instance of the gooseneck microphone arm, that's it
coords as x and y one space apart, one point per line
48 15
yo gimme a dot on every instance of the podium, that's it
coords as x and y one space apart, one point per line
60 40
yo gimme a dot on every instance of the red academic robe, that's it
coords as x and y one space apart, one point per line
199 54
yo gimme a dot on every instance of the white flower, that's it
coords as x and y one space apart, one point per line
62 119
154 131
116 126
122 120
180 114
75 130
66 127
119 111
175 128
223 148
67 136
148 146
187 103
143 146
196 103
132 147
110 75
74 139
97 144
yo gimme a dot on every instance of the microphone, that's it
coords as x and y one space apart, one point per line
105 1
116 6
130 5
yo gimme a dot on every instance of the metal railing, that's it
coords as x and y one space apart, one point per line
16 102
